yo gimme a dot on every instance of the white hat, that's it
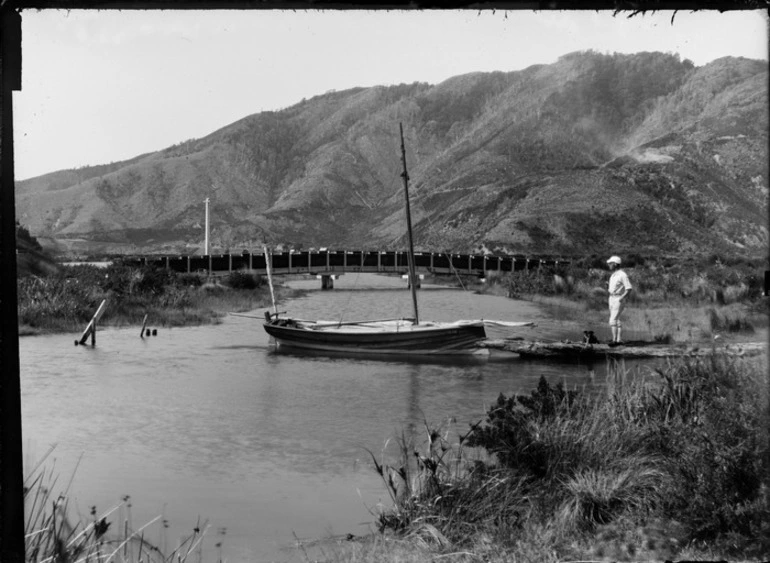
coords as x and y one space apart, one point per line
614 259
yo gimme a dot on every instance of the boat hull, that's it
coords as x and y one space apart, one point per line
429 340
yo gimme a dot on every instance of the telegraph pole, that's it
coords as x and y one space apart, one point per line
206 244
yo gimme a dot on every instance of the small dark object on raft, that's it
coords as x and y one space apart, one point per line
589 337
634 349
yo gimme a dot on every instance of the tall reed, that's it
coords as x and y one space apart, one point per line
54 535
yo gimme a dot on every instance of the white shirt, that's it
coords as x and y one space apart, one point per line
618 282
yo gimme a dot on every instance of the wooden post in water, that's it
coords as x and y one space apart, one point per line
144 324
91 327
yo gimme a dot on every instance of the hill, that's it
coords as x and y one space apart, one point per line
30 258
594 153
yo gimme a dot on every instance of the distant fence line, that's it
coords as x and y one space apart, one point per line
327 262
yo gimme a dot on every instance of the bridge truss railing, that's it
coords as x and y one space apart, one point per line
341 261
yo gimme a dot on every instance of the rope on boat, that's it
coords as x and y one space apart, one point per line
347 303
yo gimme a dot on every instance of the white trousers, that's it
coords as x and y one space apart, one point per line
616 307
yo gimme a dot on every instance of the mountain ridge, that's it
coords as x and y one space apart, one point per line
593 153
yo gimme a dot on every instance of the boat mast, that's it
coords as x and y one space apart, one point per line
410 253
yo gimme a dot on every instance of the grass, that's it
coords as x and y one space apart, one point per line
665 323
677 302
66 301
54 535
668 464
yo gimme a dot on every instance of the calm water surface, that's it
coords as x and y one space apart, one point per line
211 422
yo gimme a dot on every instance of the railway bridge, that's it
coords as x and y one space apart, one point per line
328 264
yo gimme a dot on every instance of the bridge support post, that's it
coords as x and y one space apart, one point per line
327 282
416 281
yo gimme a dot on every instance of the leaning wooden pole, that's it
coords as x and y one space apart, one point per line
91 327
144 325
11 456
270 278
410 253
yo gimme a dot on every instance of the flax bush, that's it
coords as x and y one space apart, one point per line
444 497
683 448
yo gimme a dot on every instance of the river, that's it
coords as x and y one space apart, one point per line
212 423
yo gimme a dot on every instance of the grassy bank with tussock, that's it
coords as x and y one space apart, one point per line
66 300
674 300
672 465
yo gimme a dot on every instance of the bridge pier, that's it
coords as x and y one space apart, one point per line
417 278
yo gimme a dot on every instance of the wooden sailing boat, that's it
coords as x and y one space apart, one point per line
386 336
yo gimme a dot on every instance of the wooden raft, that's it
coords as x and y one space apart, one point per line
578 350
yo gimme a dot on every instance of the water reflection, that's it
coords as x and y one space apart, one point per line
414 410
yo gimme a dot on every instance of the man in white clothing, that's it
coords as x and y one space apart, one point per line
619 288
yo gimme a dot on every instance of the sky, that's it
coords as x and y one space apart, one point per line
101 86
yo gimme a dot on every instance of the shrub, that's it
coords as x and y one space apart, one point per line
508 434
244 280
176 298
188 280
710 415
540 281
729 319
63 300
127 280
23 234
445 498
150 280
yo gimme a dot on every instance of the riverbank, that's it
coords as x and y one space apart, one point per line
692 302
66 300
671 466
